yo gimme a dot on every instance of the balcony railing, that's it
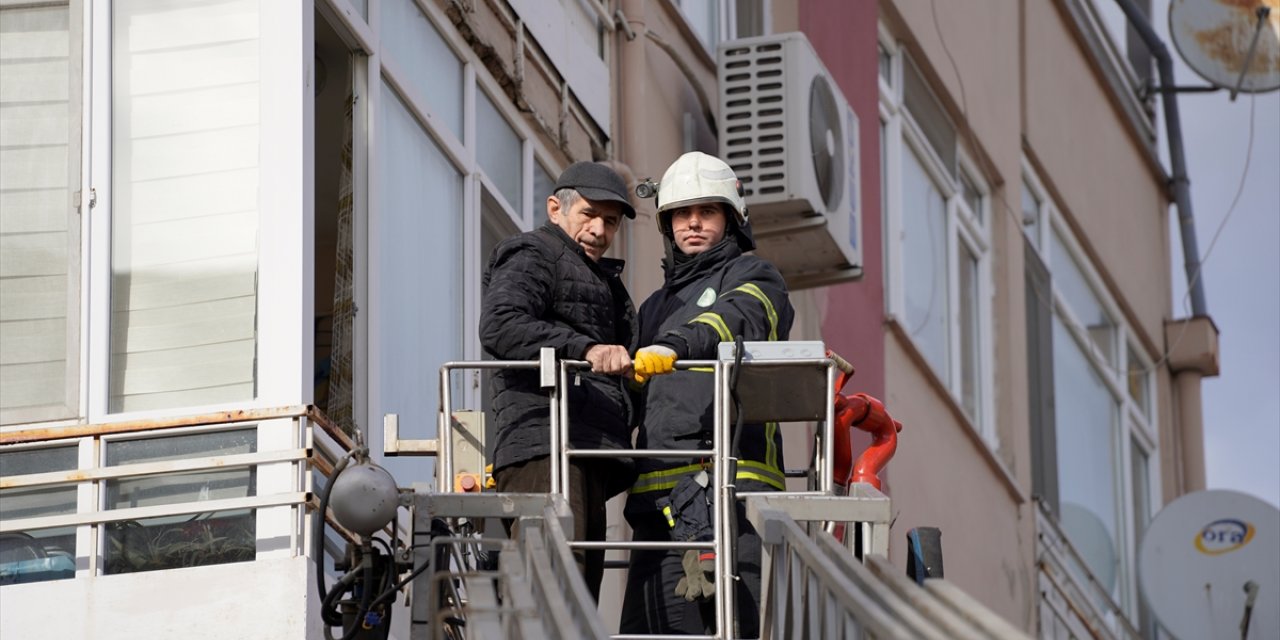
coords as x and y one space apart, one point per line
168 493
1073 603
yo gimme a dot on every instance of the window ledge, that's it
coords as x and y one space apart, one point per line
993 461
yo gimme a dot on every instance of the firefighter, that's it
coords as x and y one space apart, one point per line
713 292
553 287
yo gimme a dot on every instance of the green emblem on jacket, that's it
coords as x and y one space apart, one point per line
707 298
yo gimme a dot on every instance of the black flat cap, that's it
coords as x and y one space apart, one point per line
597 182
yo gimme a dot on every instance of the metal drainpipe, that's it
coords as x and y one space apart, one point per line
1179 183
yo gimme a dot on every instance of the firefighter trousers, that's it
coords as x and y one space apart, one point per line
651 605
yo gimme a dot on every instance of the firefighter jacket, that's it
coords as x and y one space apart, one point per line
540 289
706 299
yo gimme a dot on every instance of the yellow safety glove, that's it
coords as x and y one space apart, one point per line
653 360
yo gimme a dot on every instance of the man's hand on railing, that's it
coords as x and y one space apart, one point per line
609 359
654 360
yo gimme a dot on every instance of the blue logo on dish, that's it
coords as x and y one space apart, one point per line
1224 536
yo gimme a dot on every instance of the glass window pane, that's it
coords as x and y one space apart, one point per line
1139 467
1139 380
43 554
971 195
1031 215
419 249
39 225
970 368
1085 414
171 542
361 6
886 65
184 253
543 185
704 17
929 114
924 262
1069 280
435 72
749 16
499 150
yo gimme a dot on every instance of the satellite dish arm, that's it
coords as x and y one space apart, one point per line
1263 13
1179 183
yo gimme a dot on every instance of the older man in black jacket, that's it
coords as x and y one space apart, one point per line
552 287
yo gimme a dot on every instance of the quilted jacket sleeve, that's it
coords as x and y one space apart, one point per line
752 303
518 293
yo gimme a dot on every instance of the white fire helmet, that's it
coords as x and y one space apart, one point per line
694 178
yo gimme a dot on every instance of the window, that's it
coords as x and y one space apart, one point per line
55 549
1031 214
180 541
455 171
937 246
498 150
432 71
40 180
543 185
185 189
714 21
1093 446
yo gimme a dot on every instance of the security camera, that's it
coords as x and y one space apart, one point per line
646 189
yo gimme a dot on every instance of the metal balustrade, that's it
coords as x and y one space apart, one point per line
172 528
557 586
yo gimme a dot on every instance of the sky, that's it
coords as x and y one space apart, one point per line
1241 272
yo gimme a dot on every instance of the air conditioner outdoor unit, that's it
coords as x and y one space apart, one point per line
791 137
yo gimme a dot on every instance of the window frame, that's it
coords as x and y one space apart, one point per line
481 196
902 135
284 290
1133 425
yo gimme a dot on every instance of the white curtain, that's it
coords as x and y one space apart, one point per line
39 225
185 182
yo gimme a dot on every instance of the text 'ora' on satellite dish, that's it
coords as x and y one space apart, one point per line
1215 38
1198 559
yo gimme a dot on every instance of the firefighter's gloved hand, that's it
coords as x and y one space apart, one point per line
699 581
653 360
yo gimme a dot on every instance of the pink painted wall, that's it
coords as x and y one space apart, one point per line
844 35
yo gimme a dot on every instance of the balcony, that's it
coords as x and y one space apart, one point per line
177 526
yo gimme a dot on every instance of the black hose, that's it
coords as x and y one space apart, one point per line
317 536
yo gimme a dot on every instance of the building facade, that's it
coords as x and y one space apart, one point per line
221 206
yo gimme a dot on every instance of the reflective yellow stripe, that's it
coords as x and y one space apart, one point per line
702 369
715 322
754 291
771 451
763 472
663 478
666 479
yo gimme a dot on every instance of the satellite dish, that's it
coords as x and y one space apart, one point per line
1218 37
1201 557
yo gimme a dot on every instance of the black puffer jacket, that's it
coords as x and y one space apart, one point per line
540 289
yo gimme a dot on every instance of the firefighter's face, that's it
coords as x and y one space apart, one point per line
591 223
698 227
